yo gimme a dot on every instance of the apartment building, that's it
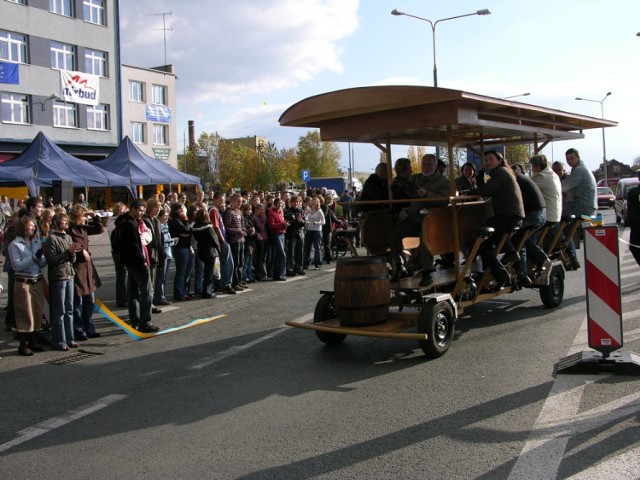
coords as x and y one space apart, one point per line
148 110
59 74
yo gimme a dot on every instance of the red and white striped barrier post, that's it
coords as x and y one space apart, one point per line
604 308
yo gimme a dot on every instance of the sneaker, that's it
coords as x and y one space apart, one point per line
94 335
148 328
229 289
82 337
237 288
72 345
317 267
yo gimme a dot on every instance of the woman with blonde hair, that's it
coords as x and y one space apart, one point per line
86 280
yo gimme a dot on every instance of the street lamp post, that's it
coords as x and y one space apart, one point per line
484 11
397 12
604 145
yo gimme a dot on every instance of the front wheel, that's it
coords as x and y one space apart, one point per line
325 310
552 294
437 321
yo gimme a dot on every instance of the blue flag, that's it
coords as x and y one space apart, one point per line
9 73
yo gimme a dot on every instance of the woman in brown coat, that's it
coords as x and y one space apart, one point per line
86 280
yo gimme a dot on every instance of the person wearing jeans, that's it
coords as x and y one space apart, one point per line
278 227
314 220
180 229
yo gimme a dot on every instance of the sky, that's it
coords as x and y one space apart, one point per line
242 63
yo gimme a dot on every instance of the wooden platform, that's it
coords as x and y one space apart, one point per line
392 328
446 276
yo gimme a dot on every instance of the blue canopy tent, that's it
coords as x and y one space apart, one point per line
49 162
129 161
18 177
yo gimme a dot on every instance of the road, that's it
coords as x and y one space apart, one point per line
246 397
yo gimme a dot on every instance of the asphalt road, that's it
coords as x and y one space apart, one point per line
246 397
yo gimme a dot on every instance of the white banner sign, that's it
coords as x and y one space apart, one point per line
79 87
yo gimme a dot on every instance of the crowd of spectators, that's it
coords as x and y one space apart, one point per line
218 243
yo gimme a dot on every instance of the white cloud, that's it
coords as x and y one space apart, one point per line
226 51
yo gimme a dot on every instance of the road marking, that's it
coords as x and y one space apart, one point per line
229 352
559 421
41 428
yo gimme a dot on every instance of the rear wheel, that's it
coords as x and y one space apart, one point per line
552 294
325 310
437 321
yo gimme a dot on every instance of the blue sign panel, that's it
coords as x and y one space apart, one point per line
158 113
306 175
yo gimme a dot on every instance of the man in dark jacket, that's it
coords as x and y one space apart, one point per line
633 216
534 219
133 255
294 237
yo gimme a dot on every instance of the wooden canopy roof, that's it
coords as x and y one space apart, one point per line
414 115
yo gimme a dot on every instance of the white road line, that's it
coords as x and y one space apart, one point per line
229 352
41 428
558 422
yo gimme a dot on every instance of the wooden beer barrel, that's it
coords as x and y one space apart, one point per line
362 291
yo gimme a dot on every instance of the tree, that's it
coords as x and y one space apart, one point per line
415 154
636 163
322 159
518 154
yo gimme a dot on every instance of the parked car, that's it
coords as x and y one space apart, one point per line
620 205
606 198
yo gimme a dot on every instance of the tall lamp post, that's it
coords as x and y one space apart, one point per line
484 11
397 12
604 145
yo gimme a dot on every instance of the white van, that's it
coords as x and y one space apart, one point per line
620 205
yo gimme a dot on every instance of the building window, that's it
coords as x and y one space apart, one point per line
136 91
15 108
95 62
159 93
62 56
19 2
61 7
98 117
137 132
159 134
64 115
94 11
13 47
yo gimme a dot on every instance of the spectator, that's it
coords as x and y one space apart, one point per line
164 261
208 249
181 230
150 219
294 237
27 258
86 280
236 232
249 243
226 260
134 255
60 252
82 202
277 229
122 298
345 201
262 238
314 220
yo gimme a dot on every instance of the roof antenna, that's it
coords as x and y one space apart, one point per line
164 30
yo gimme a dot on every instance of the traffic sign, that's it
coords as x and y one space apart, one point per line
306 175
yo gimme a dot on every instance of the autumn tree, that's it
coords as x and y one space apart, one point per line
322 159
518 154
636 163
